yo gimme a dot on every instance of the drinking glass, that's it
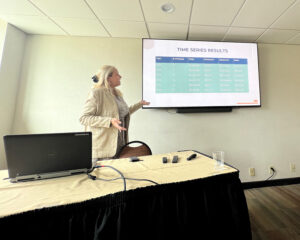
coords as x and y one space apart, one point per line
218 156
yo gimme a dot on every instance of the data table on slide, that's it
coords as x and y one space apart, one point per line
201 75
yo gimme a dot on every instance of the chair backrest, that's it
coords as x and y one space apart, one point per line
134 149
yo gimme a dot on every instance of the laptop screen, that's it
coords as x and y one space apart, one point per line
40 154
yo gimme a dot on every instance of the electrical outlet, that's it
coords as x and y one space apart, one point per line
252 172
293 167
270 169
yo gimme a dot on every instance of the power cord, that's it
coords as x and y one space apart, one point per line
94 177
113 179
141 179
273 173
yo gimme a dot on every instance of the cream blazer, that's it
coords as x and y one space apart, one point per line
99 109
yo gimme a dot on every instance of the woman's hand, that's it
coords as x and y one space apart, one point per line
116 123
143 102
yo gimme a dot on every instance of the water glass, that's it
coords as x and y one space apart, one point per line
219 156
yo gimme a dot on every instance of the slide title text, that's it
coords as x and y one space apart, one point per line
214 50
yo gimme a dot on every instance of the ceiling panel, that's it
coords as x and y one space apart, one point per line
34 24
261 14
294 40
153 12
215 12
168 31
207 33
126 28
277 36
79 27
128 10
236 34
207 20
15 7
290 19
67 8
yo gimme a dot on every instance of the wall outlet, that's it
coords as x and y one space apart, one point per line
270 169
252 172
293 167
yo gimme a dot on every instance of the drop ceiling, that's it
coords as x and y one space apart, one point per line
262 21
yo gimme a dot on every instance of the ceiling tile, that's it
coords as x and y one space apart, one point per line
65 8
207 33
294 40
34 24
215 12
15 7
153 12
127 10
260 14
276 36
126 29
168 31
210 20
290 19
81 27
235 34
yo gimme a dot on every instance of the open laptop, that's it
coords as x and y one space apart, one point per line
41 156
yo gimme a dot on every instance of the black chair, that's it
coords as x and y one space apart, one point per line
134 149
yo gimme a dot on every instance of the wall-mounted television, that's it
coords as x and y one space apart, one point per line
198 74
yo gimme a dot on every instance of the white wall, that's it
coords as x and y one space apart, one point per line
56 79
9 80
3 26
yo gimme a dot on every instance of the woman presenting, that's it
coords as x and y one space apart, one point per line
107 114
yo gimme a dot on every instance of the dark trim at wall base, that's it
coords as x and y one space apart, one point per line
276 182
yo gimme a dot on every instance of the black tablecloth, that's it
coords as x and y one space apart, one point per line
209 208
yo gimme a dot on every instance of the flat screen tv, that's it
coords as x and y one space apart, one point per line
195 74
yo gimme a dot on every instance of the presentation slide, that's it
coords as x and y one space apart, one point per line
200 74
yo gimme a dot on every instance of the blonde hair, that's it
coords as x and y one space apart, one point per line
102 76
